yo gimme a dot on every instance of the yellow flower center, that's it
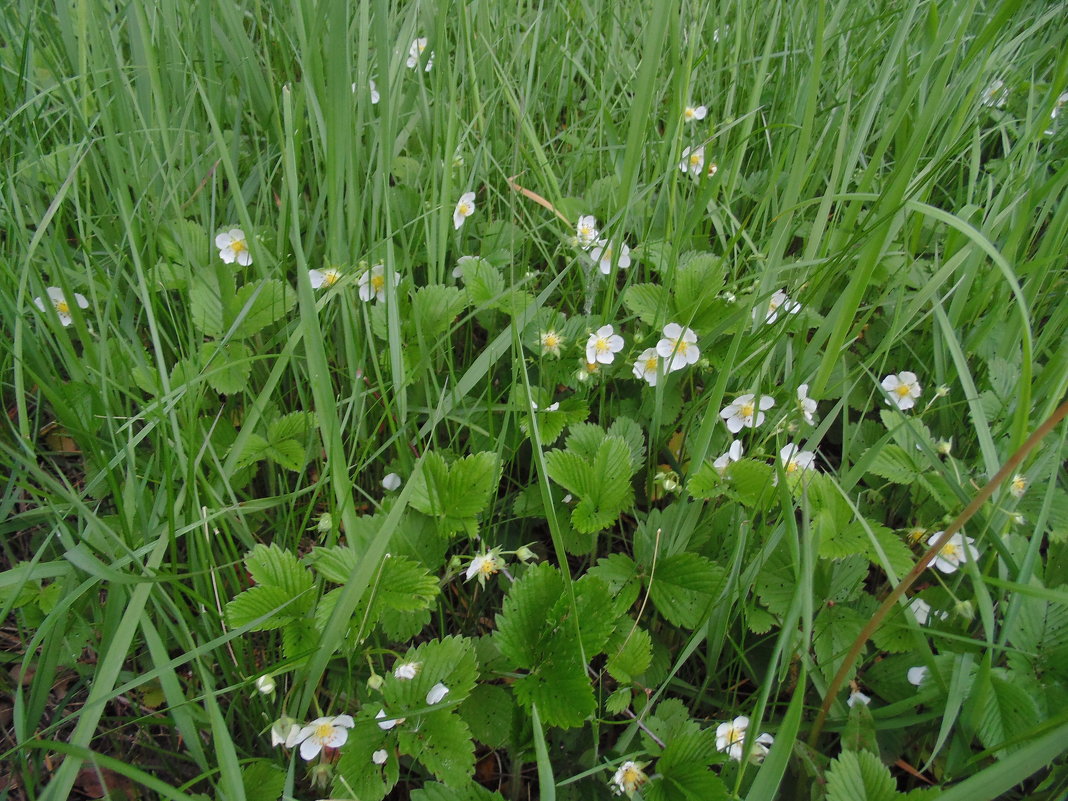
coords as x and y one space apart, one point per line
690 112
902 390
791 466
650 365
950 551
695 159
62 307
550 340
632 777
1019 484
747 410
323 731
601 346
488 567
916 534
465 210
735 736
238 245
378 282
330 278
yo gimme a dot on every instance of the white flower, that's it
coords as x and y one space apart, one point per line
465 207
586 231
265 684
778 301
794 460
691 113
731 736
58 301
284 731
406 671
923 612
761 746
679 345
916 675
415 51
995 94
857 697
603 345
375 96
437 692
646 366
628 778
323 733
391 482
903 389
379 757
746 412
552 407
808 406
954 552
233 247
733 454
551 342
693 161
604 253
386 725
1018 486
372 283
324 279
484 565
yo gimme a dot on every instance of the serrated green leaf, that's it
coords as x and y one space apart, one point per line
684 773
552 424
263 779
758 620
632 656
294 425
405 585
621 574
705 483
433 791
835 629
442 743
631 433
254 450
449 661
893 463
596 614
356 773
751 481
618 701
561 690
859 776
1005 710
288 453
457 493
584 439
226 368
836 543
649 302
483 283
433 310
272 566
490 713
258 304
335 564
258 601
610 491
684 586
206 302
521 625
894 548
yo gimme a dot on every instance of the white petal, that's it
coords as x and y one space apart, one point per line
437 692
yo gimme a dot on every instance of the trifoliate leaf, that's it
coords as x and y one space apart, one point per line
454 494
483 283
597 617
603 484
621 574
835 543
561 690
859 776
288 453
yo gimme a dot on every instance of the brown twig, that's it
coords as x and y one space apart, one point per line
888 603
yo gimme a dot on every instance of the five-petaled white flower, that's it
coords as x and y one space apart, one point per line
691 113
437 692
372 283
808 406
233 247
953 552
857 697
604 253
406 671
923 611
550 342
324 279
628 777
779 301
384 723
795 460
679 346
465 207
916 675
416 51
733 454
746 412
484 565
391 482
586 231
58 301
380 756
323 733
730 738
903 389
1018 486
647 365
693 161
603 345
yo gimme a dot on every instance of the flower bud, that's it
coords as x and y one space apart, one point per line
374 681
265 684
326 523
524 554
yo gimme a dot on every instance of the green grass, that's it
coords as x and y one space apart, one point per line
147 448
